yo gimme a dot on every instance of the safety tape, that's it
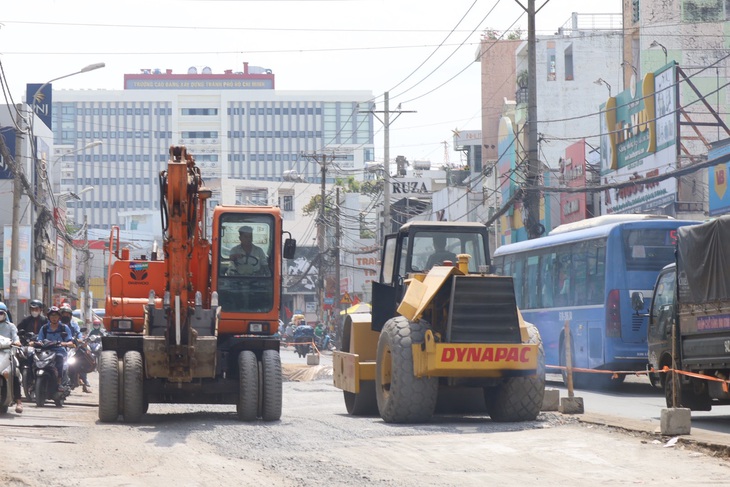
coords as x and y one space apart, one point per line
314 345
666 369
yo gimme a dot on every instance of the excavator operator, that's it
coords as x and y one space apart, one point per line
246 258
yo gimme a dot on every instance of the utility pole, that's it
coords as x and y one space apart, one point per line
338 290
387 226
532 198
17 192
321 159
88 318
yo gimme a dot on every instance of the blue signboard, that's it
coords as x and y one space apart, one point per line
719 199
8 135
40 98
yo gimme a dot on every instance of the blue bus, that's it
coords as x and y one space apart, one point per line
584 273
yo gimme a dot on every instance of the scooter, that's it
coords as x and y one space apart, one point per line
303 340
25 363
8 373
46 376
94 343
80 359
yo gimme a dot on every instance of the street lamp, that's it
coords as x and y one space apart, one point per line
654 43
601 81
90 67
90 145
633 68
17 192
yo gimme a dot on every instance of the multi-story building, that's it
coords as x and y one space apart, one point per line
236 124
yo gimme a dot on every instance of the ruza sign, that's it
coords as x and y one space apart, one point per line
407 187
639 140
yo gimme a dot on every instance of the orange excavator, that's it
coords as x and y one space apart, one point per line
199 323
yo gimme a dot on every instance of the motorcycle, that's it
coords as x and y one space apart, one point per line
8 373
303 340
94 342
46 376
80 359
325 342
25 363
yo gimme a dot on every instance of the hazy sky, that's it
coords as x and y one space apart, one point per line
374 45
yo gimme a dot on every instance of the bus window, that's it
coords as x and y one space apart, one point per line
564 295
596 260
648 249
531 299
548 278
579 279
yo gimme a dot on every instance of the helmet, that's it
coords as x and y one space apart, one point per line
66 308
3 307
53 309
35 303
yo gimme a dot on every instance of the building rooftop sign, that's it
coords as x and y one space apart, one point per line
251 78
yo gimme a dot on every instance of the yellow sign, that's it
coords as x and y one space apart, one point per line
346 298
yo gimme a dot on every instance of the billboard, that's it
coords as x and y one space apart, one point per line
40 98
8 135
573 174
719 197
639 140
24 257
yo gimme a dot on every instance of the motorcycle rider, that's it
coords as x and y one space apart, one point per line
33 322
68 319
8 330
56 331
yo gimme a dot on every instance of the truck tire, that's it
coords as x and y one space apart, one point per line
271 386
519 398
248 384
364 403
108 387
402 397
688 398
133 395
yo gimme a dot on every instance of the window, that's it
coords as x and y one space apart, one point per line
568 56
288 203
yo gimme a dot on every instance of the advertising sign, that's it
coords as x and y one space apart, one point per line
719 198
639 140
41 101
8 135
24 256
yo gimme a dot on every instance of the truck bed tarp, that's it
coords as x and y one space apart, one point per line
703 261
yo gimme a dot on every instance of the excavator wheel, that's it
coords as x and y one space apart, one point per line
271 385
402 397
519 398
133 397
108 387
248 394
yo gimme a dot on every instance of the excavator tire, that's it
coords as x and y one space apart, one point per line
519 398
248 394
402 397
364 403
133 395
271 386
108 387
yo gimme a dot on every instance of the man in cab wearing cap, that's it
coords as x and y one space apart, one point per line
246 258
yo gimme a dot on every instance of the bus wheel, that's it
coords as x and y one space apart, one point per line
580 380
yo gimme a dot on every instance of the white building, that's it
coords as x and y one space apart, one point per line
236 124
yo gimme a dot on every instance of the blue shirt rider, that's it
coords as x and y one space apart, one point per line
56 331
